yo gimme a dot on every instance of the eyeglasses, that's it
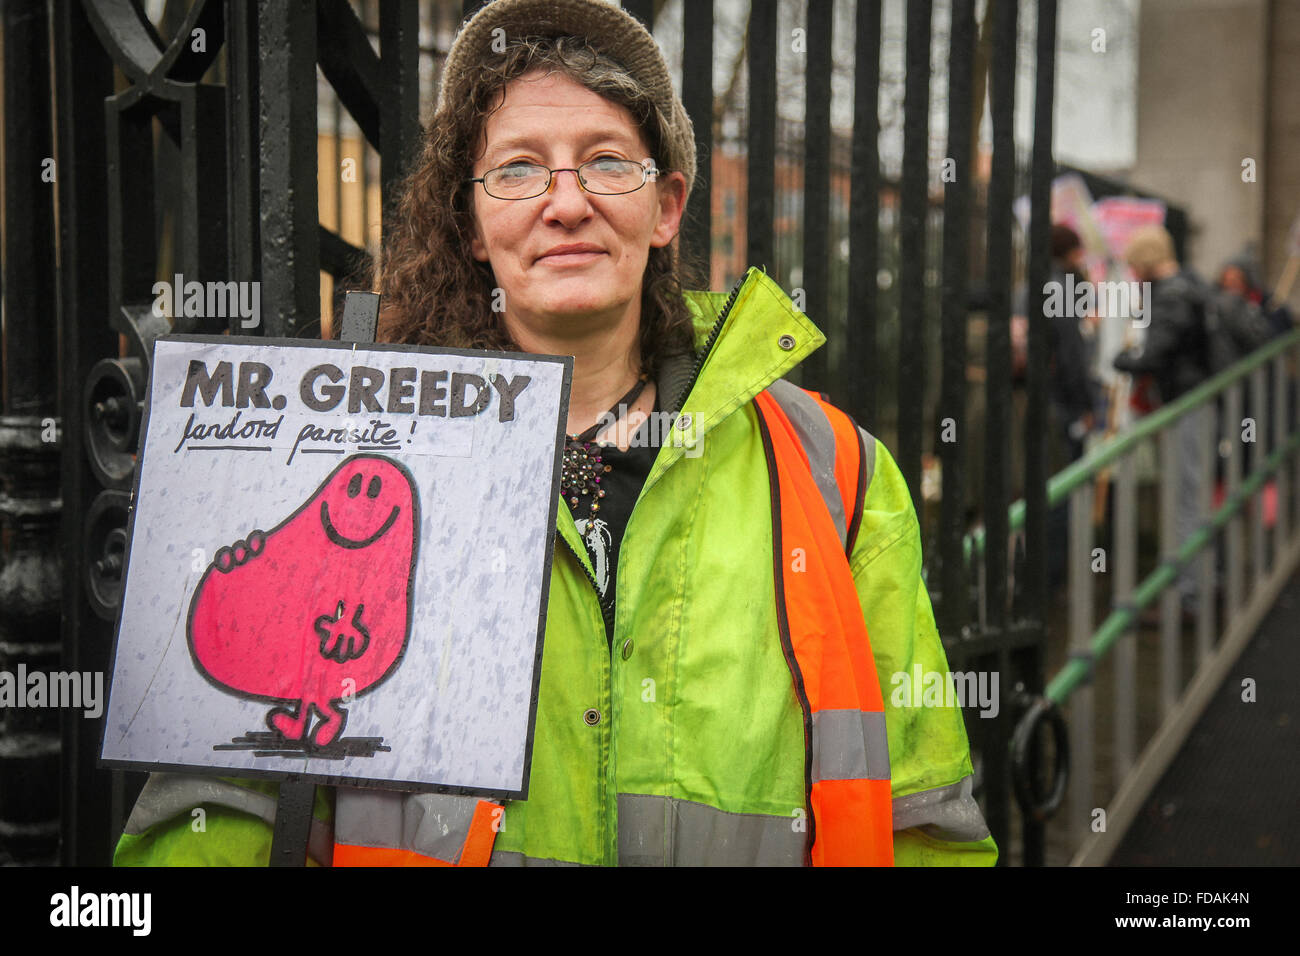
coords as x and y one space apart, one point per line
606 176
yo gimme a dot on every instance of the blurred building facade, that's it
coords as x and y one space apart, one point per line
1217 86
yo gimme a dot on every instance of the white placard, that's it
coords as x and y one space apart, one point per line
338 563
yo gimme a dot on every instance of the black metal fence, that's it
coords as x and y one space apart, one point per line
195 150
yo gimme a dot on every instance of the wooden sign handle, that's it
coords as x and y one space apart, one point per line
293 808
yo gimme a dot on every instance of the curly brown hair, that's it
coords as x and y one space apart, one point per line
434 291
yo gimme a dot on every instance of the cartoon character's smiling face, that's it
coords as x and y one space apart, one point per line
363 501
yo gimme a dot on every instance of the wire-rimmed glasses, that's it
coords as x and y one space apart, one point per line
605 176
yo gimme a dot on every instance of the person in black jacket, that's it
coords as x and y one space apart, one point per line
1073 390
1176 354
1176 350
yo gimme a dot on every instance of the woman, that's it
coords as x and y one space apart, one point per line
709 693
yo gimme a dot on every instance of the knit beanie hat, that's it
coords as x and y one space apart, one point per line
608 29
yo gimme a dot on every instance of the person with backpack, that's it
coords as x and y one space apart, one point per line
1177 354
1236 326
1236 322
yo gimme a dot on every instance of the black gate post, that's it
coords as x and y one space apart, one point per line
998 391
84 78
29 444
1027 659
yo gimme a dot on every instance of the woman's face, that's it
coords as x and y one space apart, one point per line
551 290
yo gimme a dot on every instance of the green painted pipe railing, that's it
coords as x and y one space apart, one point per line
1076 672
1063 482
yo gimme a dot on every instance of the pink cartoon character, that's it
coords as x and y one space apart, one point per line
317 609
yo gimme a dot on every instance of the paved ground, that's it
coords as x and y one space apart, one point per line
1232 795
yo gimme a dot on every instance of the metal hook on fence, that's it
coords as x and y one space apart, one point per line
1034 803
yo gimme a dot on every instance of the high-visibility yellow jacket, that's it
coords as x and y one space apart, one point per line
688 742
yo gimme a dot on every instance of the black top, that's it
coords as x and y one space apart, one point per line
622 484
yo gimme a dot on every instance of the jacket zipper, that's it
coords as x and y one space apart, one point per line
708 343
607 610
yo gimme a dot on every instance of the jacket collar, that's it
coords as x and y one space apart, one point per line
746 357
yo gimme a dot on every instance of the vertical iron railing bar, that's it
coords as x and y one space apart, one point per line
201 224
399 107
817 187
913 206
953 607
244 242
643 10
761 136
350 65
998 384
1259 442
697 98
816 260
864 216
1170 599
1279 425
1231 434
1293 422
1205 584
1000 195
1081 721
288 166
1027 658
1124 568
1036 417
365 147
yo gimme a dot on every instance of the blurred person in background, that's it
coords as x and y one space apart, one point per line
1072 389
1176 354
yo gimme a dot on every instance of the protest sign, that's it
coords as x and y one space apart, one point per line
1119 217
338 564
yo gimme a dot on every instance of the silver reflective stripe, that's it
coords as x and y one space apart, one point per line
663 831
168 795
868 464
849 745
432 824
945 813
818 440
510 858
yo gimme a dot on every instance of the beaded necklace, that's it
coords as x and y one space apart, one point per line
583 466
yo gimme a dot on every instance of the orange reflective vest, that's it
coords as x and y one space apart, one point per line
818 472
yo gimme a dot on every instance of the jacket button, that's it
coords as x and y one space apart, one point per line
627 648
591 716
683 421
786 342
